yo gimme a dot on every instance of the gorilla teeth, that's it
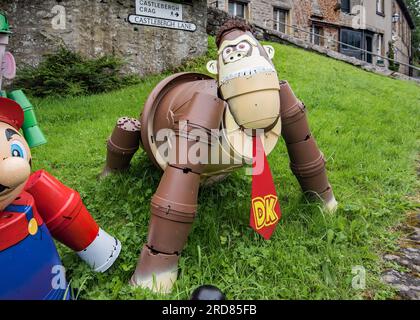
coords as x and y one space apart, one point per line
246 73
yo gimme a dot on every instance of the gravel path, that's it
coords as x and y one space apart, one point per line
408 256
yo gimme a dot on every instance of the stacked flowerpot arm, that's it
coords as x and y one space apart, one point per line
70 222
306 160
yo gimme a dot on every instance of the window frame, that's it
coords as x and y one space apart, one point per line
380 8
350 33
317 38
346 8
277 11
381 44
235 9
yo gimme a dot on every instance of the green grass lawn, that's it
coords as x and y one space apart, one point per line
368 128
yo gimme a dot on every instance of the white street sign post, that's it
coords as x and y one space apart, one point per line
159 9
162 23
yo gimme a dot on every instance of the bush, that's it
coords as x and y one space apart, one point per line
66 73
393 66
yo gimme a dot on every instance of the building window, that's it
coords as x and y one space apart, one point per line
380 7
380 44
380 48
280 19
345 6
237 9
368 46
351 38
317 35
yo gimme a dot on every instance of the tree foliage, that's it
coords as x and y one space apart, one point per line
414 8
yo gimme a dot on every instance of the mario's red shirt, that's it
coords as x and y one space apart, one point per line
19 220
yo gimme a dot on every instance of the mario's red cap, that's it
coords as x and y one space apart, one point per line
11 113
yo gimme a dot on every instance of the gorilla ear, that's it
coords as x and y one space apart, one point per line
270 51
212 67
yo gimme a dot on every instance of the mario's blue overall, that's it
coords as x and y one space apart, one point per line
28 256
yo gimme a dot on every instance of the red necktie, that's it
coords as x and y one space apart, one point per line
265 207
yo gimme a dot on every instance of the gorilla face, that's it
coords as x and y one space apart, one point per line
242 57
248 80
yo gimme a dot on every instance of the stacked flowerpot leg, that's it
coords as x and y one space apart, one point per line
122 145
174 205
306 160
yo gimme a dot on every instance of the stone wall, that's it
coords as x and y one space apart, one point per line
401 37
97 27
219 4
262 12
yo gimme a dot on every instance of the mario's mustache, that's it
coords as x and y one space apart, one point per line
2 188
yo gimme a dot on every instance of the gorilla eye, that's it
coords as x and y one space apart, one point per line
243 46
227 52
17 150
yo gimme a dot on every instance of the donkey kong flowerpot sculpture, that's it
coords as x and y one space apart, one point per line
34 209
198 130
30 127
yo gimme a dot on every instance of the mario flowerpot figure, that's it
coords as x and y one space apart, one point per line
33 209
198 129
30 128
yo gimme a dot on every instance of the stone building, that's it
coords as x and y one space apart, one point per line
377 26
97 27
402 26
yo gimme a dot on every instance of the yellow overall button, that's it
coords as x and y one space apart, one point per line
33 227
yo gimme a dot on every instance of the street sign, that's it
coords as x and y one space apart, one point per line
159 9
162 23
